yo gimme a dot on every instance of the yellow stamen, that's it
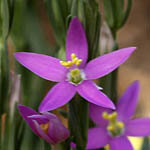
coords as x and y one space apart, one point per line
105 115
45 127
120 125
75 61
78 62
114 127
73 56
107 147
112 116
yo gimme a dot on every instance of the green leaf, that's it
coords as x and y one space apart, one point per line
115 15
58 11
93 23
118 9
126 13
4 78
109 14
6 17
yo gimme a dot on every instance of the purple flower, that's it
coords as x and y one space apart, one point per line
114 127
47 125
75 74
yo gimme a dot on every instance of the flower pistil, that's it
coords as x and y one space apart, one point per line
115 127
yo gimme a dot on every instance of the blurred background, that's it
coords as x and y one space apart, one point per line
32 32
136 32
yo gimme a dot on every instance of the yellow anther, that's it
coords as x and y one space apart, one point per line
107 147
62 62
69 63
45 127
112 116
73 56
105 115
120 125
78 62
75 61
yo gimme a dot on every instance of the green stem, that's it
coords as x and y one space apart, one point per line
4 76
79 121
114 79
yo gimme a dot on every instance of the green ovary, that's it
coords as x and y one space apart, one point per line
75 76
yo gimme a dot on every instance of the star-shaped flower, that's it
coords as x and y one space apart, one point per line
46 125
114 127
75 74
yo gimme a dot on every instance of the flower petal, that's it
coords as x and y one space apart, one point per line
41 119
96 113
42 134
57 131
97 137
127 103
105 64
25 112
58 96
76 41
90 92
120 143
138 127
44 66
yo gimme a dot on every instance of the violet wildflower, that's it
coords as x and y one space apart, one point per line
46 125
75 74
114 127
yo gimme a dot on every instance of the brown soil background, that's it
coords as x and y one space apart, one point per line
136 32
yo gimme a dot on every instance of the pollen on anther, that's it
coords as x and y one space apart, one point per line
73 56
75 61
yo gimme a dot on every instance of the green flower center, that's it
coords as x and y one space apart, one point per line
115 127
76 76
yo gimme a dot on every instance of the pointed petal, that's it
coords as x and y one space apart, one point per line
97 137
44 66
138 127
90 92
25 112
127 103
96 113
49 115
105 64
76 41
120 143
58 96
